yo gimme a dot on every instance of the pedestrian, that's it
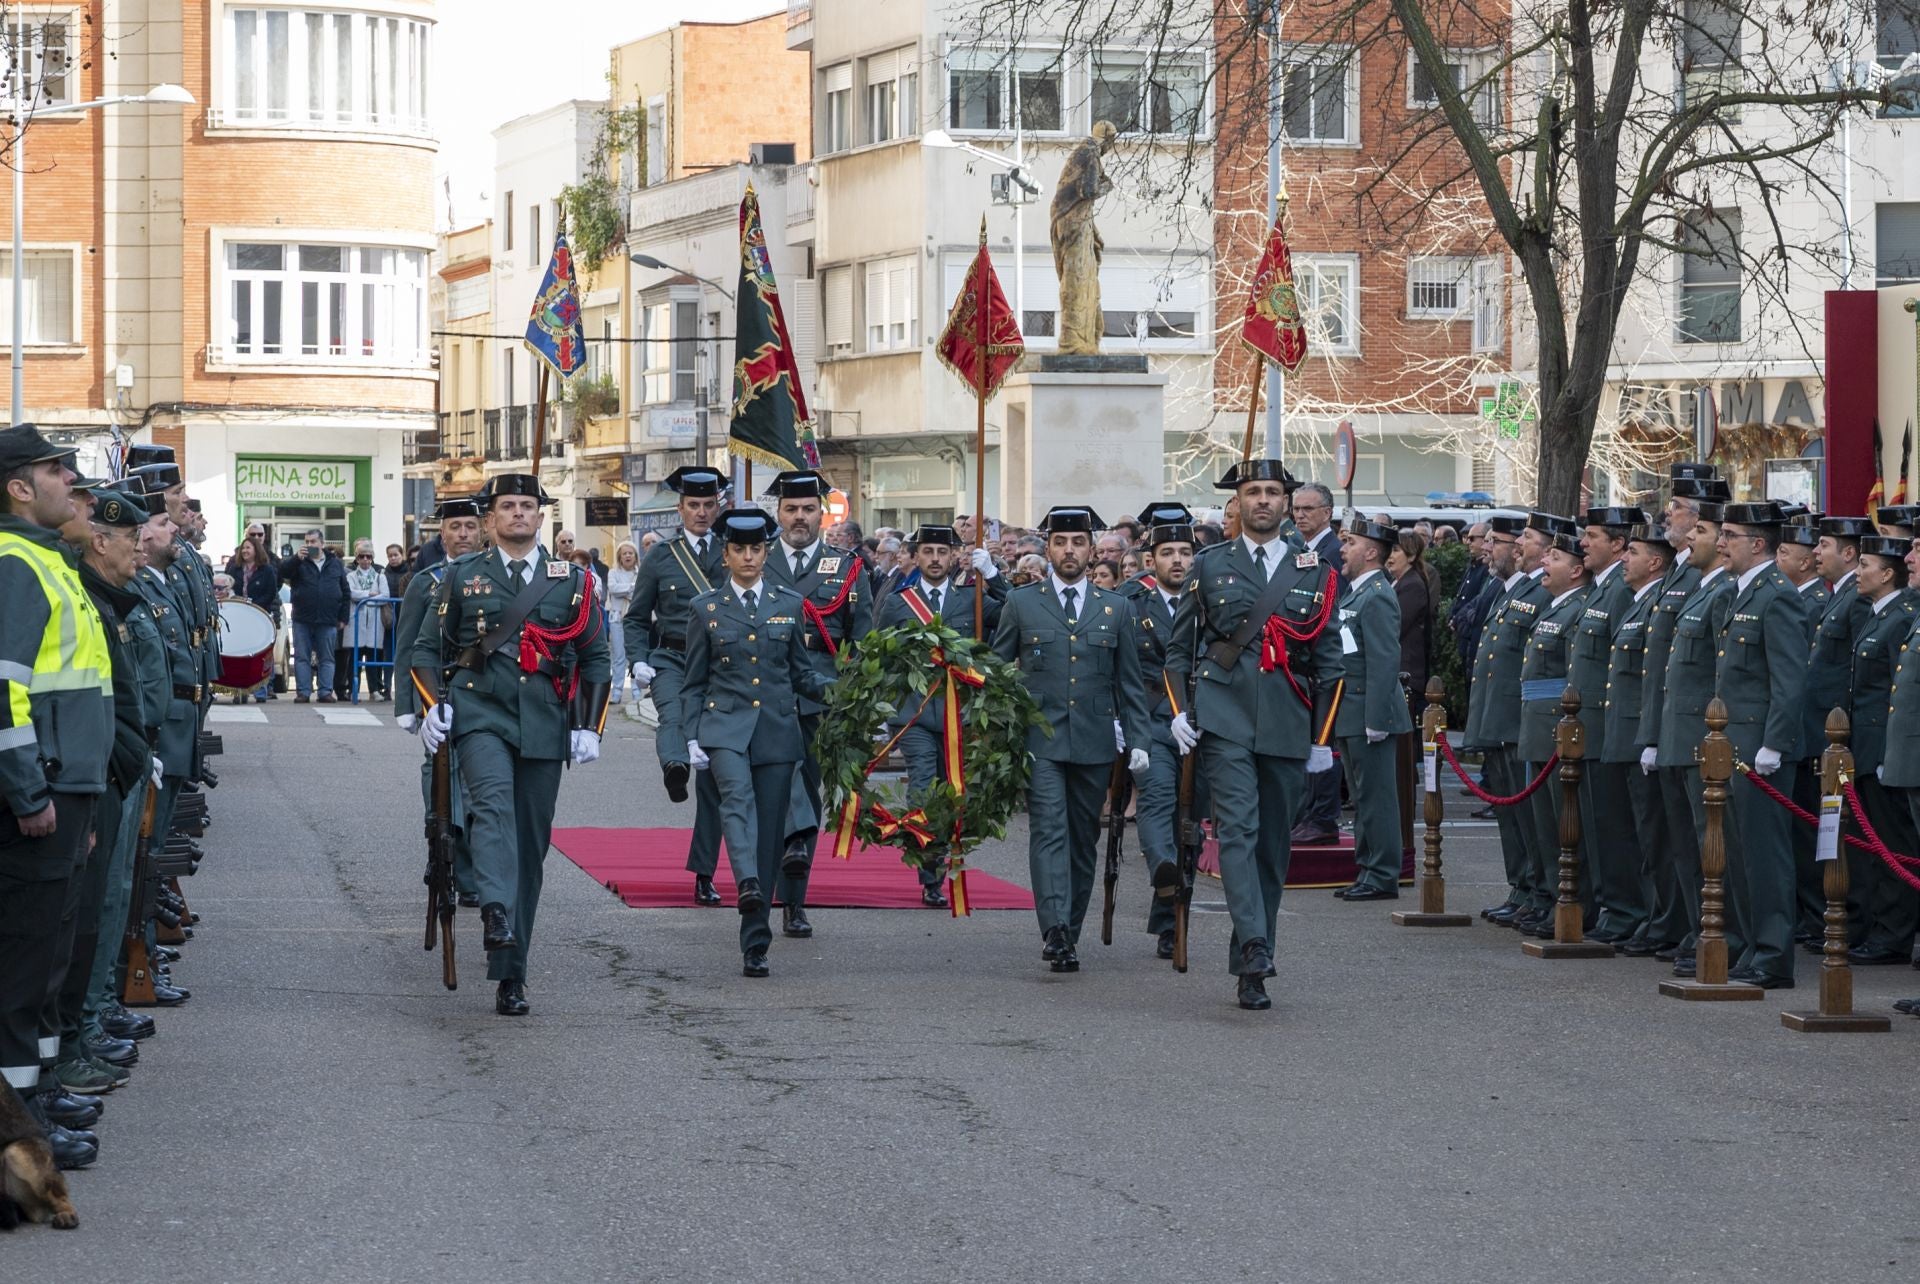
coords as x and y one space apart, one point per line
620 580
1419 591
1106 575
1031 568
321 602
563 541
368 635
1372 712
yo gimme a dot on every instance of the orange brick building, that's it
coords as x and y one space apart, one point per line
244 278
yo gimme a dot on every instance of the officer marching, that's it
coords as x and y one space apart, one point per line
1373 708
929 594
747 669
526 688
1253 635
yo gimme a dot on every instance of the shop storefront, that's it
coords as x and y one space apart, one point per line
293 495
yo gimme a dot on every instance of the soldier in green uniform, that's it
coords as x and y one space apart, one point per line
1253 636
1618 908
1645 567
672 574
1899 772
528 693
459 535
1543 680
1897 519
1058 631
1835 621
1890 907
1155 595
929 594
838 611
747 669
190 578
1373 708
1493 704
1763 681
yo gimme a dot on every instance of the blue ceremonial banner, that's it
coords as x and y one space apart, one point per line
556 331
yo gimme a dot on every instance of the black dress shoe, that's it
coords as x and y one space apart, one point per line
1165 948
496 933
511 998
1503 914
1341 893
122 1024
1642 948
1909 1006
115 1052
1485 813
703 893
71 1110
1684 967
932 897
749 899
675 774
1764 981
1668 953
1055 946
1069 961
793 921
1253 994
1860 956
468 900
1256 959
1543 930
1313 836
166 996
1373 894
754 963
798 856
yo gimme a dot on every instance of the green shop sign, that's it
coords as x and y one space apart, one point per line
293 481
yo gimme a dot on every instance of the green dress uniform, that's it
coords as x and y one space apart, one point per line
1899 771
1762 681
1668 923
1543 680
747 669
1257 726
1692 670
1072 768
1642 830
1372 703
1609 847
1493 725
1836 622
673 573
178 744
1159 797
511 727
1891 908
415 605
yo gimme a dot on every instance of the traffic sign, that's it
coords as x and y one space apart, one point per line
1346 454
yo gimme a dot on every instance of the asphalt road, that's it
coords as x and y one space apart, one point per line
912 1097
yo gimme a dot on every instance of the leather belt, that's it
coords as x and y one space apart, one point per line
186 693
671 643
813 640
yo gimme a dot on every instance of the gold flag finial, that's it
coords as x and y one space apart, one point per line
983 229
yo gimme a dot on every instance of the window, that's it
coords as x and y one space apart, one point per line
1709 50
1489 312
987 89
1710 279
47 294
1319 91
1149 94
837 90
307 303
656 354
1437 287
467 297
836 309
1329 294
686 352
44 41
533 234
1896 241
892 91
506 222
301 69
890 305
656 141
1464 70
1898 25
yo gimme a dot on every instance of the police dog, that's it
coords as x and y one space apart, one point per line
31 1188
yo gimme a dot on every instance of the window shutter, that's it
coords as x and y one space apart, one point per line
838 78
837 297
876 305
886 66
803 306
900 309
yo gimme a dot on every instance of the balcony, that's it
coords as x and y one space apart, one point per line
799 24
509 434
424 447
462 437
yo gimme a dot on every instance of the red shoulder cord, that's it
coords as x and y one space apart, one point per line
537 643
1279 632
817 616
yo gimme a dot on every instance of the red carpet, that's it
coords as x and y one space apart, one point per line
1313 866
646 868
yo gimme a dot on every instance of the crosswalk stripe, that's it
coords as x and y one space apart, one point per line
235 713
347 717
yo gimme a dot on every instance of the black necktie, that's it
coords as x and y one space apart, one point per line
933 600
518 569
1260 561
750 599
799 564
700 547
1067 596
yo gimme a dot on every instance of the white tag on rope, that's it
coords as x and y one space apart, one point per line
1827 845
1432 753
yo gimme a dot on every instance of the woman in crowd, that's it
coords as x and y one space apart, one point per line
1106 574
620 579
1419 592
367 632
254 579
1031 569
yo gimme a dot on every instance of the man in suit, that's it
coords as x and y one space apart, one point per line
1543 680
1253 635
1889 908
837 609
1616 908
1836 621
930 594
1060 631
1373 709
673 573
1155 595
1493 701
527 694
1763 681
747 669
1641 834
1313 518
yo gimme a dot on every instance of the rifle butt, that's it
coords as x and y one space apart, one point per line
1180 935
449 974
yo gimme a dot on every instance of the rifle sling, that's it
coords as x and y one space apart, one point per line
529 596
1225 652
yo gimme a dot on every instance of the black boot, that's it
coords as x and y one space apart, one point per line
703 893
496 932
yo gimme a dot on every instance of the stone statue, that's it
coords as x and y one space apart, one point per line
1077 244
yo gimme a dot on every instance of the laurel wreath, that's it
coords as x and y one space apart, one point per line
894 671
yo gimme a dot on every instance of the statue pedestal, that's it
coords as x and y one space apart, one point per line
1082 430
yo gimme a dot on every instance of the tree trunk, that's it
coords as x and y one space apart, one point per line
1564 442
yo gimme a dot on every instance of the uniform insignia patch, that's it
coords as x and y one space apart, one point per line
1525 608
1593 613
557 570
475 585
829 565
1746 617
1306 561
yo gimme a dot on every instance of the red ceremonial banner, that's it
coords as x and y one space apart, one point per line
982 365
1273 326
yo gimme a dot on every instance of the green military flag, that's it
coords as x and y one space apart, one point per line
770 423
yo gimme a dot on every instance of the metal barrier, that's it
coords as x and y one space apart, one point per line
359 661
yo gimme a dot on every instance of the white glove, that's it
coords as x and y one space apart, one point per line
1649 759
584 747
436 726
983 564
1879 773
1119 737
408 722
1375 737
1319 759
1137 761
1184 736
642 675
159 770
1766 762
697 756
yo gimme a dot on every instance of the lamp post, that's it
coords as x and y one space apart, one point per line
20 113
1021 192
649 262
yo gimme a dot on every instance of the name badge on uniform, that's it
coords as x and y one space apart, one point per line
557 570
828 566
1306 561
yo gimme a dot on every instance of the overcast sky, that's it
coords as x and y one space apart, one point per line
500 59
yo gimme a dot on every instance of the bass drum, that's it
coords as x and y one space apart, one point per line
246 645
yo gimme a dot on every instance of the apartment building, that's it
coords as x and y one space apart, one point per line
449 462
244 278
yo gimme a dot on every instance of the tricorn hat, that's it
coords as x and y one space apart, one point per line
465 506
1893 546
1069 518
1379 532
1167 522
1254 470
1846 527
1792 532
140 454
747 526
1906 515
515 484
155 479
1763 512
935 535
697 481
799 483
1616 517
1503 525
117 508
1652 534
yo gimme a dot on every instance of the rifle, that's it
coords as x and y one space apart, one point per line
439 876
136 983
1188 836
1116 822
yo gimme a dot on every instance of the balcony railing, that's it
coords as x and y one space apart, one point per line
424 447
509 433
464 438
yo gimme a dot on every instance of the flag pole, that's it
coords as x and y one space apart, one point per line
980 437
540 421
1253 407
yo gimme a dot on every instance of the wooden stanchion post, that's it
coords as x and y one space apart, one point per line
1836 1014
1433 884
1710 955
1569 937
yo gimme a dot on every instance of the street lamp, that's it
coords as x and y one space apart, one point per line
700 445
648 261
20 113
1021 192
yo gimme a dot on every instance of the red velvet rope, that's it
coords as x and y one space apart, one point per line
1893 860
1446 751
818 616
